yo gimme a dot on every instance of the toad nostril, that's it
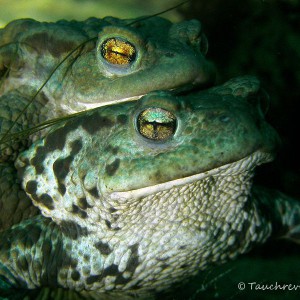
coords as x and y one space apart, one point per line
261 100
203 44
169 54
264 101
224 118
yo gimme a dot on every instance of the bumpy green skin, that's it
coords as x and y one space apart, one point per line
168 56
124 214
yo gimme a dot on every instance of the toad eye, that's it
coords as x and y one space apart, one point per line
156 124
118 51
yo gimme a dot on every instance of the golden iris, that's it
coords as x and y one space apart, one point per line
156 124
118 51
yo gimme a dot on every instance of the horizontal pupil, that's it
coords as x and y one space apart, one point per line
156 124
118 52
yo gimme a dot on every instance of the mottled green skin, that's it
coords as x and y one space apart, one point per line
123 214
168 56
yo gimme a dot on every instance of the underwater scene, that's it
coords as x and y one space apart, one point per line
149 150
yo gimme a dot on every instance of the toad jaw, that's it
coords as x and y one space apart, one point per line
243 165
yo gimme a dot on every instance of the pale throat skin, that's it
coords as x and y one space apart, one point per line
138 196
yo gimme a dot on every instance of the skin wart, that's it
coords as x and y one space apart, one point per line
76 66
142 195
52 70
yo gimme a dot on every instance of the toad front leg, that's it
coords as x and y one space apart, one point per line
32 254
39 253
281 212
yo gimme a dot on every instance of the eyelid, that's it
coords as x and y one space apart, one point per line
127 36
167 108
156 124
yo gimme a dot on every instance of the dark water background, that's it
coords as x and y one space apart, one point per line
261 38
